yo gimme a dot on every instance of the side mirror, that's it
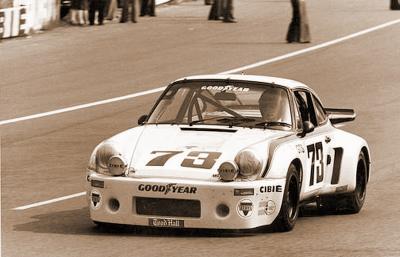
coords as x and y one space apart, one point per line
308 127
142 119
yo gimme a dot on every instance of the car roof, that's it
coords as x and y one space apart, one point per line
288 83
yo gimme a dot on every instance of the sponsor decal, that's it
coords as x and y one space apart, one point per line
266 208
341 189
243 191
97 183
271 189
226 88
270 208
95 199
245 208
173 188
166 223
300 148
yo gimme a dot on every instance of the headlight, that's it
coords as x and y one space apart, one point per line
249 163
117 165
106 159
228 171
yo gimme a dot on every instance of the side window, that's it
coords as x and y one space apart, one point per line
306 107
319 111
297 115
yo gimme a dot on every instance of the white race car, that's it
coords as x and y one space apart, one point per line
229 152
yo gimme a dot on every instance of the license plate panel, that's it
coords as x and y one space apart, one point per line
166 223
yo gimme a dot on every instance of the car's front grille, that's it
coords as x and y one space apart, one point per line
167 207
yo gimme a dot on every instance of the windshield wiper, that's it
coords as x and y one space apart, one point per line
233 121
266 124
202 120
230 120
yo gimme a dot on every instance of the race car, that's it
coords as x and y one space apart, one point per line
229 152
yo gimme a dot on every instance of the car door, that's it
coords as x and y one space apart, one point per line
315 144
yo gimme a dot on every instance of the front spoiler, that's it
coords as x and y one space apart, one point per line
251 204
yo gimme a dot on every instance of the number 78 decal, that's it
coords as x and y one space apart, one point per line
194 159
317 162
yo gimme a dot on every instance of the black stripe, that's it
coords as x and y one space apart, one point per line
272 147
337 163
208 129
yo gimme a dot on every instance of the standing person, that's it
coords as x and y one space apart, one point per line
148 7
394 5
99 6
125 11
112 8
298 29
228 12
216 10
78 12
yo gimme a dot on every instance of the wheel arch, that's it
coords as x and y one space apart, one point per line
299 167
365 151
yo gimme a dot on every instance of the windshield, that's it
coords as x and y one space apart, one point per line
232 103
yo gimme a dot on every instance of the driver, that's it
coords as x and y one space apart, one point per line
274 106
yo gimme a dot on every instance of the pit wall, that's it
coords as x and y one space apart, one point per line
21 17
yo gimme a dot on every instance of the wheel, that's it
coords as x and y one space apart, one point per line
348 203
355 201
290 203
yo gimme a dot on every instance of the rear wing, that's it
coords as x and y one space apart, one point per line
337 115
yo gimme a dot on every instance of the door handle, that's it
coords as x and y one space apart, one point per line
327 139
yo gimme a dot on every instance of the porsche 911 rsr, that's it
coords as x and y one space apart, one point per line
229 152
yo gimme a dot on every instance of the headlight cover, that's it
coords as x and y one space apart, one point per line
228 171
107 160
249 163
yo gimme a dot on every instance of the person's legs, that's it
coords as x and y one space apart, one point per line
394 5
143 7
293 34
101 8
152 7
125 11
111 10
92 11
228 11
133 11
72 16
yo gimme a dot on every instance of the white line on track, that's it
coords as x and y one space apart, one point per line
155 90
59 199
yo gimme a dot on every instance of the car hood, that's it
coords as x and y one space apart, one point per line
195 152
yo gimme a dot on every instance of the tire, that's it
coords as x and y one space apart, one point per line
289 212
348 203
355 201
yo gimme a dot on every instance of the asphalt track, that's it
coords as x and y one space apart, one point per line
45 158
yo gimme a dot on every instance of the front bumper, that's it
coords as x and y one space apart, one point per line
221 205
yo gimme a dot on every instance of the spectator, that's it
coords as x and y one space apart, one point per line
394 5
78 12
222 8
228 11
125 11
148 7
298 29
99 6
112 8
216 10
